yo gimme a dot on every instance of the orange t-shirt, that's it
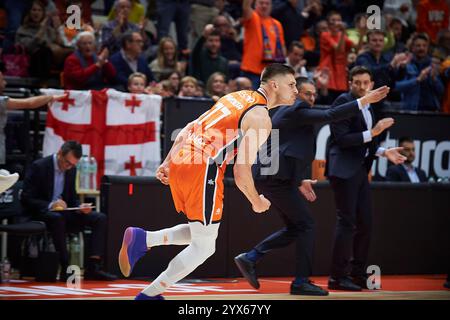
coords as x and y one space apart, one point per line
335 61
432 16
252 56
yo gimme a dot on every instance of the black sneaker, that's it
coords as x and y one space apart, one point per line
344 283
307 289
247 269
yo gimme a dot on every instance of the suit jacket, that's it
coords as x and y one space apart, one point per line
297 138
346 152
124 70
38 186
398 173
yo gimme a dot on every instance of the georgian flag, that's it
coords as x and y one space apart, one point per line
121 130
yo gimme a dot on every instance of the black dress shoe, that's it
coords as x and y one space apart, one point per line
307 289
360 281
344 283
247 269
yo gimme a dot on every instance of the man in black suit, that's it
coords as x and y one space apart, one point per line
49 188
284 189
406 172
352 149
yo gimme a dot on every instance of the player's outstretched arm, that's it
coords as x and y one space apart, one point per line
256 127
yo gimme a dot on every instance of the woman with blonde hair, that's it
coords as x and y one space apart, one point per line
167 59
216 86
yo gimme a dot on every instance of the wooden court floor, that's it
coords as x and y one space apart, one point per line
410 287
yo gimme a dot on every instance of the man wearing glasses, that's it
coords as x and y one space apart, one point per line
290 185
48 190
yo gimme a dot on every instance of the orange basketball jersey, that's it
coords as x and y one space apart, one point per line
219 128
197 170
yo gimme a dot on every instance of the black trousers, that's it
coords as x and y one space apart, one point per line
293 209
353 225
61 223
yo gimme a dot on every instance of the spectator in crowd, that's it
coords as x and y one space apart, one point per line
230 47
113 30
295 22
167 59
84 70
443 50
136 15
358 34
334 48
67 33
311 43
240 83
384 66
177 11
130 59
41 41
404 9
188 87
137 83
85 9
432 17
421 87
295 58
321 78
202 13
15 11
406 172
164 89
49 188
7 103
206 58
396 26
174 78
216 86
263 39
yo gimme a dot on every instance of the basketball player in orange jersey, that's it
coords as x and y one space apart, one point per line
194 170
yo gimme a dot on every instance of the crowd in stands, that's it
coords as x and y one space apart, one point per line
217 46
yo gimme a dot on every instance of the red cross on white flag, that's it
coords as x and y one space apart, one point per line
102 122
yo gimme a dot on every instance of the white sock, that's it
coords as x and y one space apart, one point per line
178 235
202 246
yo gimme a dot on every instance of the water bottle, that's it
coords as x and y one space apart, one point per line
92 174
84 173
6 271
75 251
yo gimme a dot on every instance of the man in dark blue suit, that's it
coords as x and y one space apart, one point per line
352 149
406 172
130 59
49 188
296 150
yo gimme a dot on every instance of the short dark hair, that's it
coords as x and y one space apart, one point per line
303 80
359 70
275 69
405 139
72 146
127 37
420 36
297 44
